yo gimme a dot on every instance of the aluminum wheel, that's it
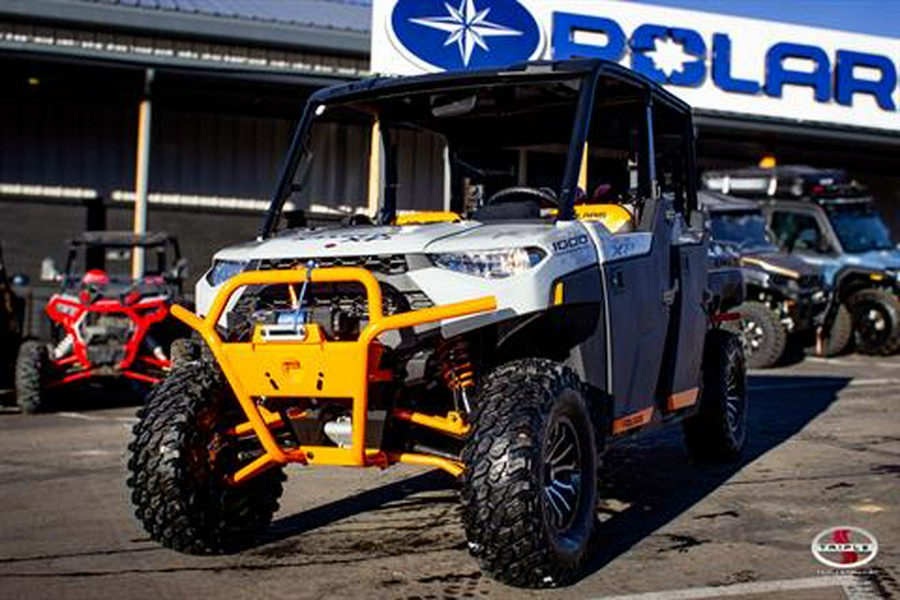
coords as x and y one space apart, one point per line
563 471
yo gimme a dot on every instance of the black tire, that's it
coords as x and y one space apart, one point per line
178 485
31 376
876 320
838 338
718 431
532 454
183 350
762 333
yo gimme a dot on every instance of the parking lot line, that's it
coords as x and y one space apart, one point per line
85 417
873 382
851 586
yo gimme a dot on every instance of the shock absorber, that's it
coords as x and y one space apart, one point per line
64 347
456 370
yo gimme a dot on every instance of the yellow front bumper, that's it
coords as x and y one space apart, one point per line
313 367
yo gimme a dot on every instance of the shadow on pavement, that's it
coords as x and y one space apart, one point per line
98 395
363 502
649 475
655 479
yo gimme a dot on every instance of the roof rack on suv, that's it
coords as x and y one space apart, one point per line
790 181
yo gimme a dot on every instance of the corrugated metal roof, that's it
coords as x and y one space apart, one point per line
352 15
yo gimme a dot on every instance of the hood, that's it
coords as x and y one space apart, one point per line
387 240
876 260
345 241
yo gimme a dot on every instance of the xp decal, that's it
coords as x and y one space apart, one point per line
463 34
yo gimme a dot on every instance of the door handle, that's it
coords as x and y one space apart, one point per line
669 295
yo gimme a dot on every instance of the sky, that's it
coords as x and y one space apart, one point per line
874 17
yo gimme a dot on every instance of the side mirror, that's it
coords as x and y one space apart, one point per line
49 272
20 280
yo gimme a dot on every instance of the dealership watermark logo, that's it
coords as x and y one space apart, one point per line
465 34
845 547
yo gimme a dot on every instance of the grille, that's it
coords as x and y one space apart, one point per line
105 335
388 264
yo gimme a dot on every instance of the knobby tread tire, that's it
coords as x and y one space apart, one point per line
774 340
707 435
840 335
179 493
501 489
890 305
31 370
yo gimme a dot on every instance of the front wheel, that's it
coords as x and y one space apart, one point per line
718 431
180 461
529 488
762 333
32 365
876 318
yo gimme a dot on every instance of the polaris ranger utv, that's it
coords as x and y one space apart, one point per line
828 221
508 338
104 323
785 297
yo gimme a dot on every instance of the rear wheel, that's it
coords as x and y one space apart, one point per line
180 460
529 489
838 337
876 318
32 365
762 333
719 429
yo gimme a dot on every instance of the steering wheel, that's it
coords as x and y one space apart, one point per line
545 196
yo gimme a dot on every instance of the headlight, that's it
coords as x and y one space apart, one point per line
490 264
223 270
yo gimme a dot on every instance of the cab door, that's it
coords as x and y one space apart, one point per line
638 278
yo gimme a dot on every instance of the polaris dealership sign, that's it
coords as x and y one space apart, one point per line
714 62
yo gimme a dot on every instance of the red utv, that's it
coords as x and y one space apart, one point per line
104 322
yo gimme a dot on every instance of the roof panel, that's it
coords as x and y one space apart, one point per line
354 15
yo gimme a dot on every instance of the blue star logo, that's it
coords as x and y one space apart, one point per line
464 34
466 27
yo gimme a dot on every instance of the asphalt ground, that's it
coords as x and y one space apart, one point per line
824 451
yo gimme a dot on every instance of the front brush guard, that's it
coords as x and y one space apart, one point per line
309 366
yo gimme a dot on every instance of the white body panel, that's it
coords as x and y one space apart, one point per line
569 247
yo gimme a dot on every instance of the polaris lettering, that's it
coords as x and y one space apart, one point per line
831 78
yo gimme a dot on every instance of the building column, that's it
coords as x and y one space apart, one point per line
142 173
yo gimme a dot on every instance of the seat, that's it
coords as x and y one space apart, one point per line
615 217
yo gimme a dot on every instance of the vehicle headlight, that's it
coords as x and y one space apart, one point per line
490 264
223 270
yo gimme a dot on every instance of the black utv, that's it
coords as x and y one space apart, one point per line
829 221
786 299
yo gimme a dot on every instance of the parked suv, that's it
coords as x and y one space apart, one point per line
785 297
828 220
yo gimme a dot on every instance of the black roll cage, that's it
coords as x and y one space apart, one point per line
593 73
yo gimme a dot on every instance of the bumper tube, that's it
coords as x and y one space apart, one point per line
314 367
